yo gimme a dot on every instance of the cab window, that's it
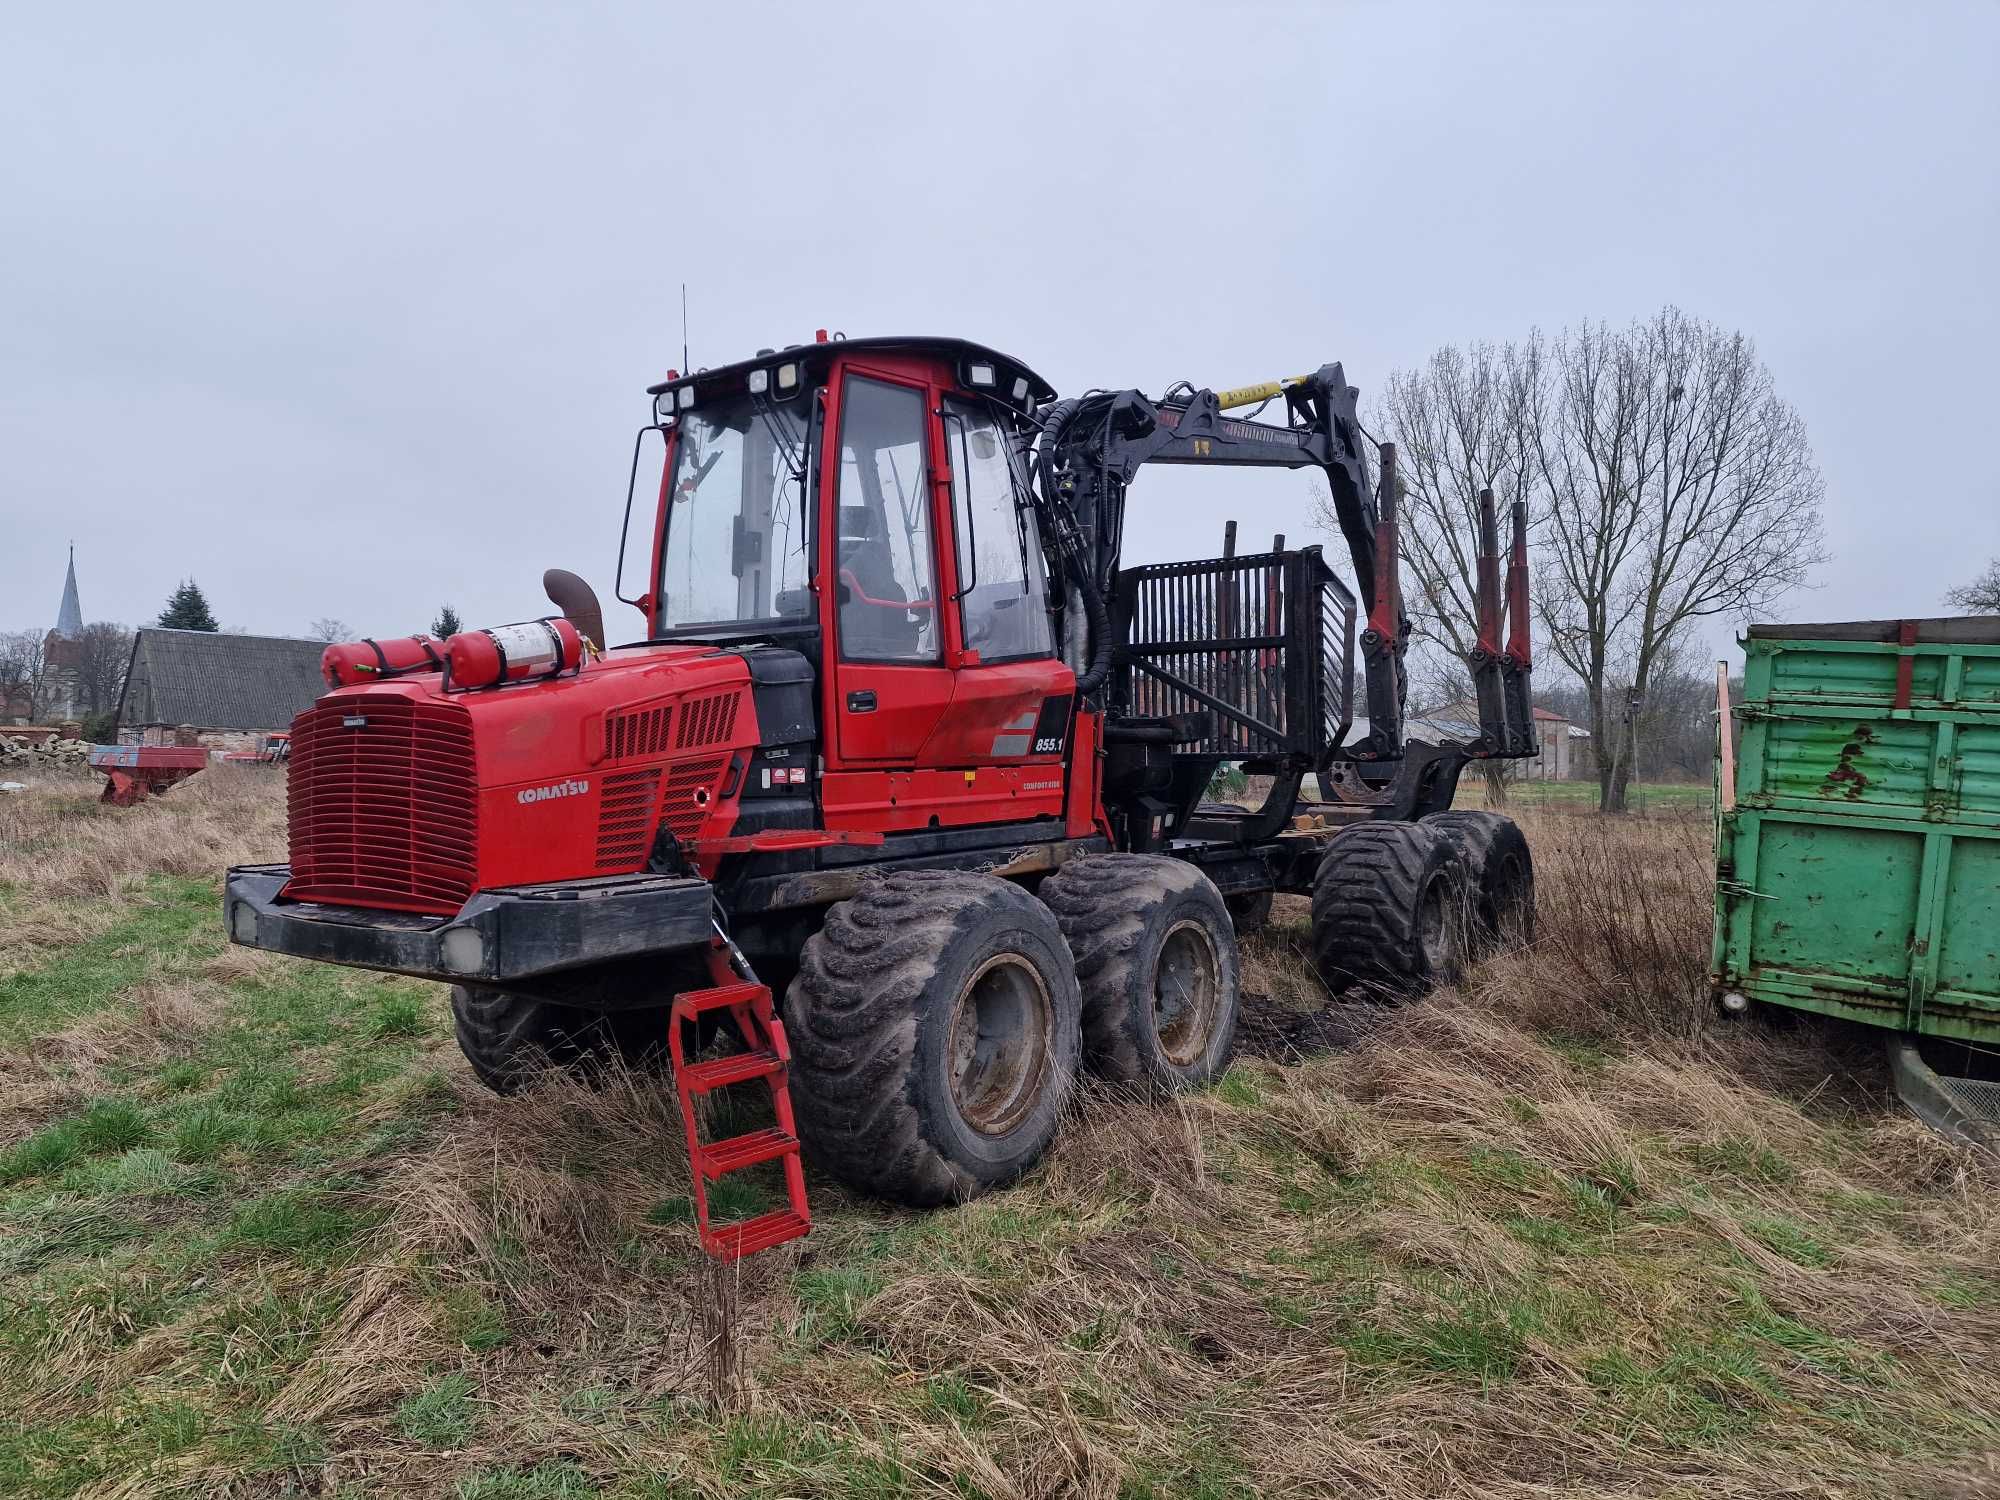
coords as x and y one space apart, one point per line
887 584
1004 608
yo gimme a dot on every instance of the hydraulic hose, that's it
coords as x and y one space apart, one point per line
1083 590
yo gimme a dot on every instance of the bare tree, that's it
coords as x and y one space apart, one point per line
1462 423
1981 596
103 653
326 628
24 671
1675 486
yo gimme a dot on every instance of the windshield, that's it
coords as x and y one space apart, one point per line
736 537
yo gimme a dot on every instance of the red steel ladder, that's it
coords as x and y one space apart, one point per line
766 1058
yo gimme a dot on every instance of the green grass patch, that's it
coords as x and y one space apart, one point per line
1745 1159
302 1222
168 915
1793 1241
441 1415
831 1298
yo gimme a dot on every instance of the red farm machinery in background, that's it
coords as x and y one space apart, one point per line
897 810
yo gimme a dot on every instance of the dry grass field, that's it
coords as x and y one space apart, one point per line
1557 1232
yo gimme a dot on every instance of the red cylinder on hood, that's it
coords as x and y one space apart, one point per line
350 662
512 653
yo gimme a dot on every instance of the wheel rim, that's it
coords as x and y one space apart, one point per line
1000 1031
1187 986
1433 938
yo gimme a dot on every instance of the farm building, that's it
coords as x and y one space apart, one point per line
232 689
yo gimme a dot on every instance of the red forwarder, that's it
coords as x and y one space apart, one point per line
906 743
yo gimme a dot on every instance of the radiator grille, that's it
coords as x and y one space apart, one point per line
625 820
384 812
708 721
640 731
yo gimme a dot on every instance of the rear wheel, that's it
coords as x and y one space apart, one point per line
1499 874
1156 957
1387 910
934 1032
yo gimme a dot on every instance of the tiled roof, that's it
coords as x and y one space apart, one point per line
216 681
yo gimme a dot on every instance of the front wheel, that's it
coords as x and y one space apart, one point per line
509 1039
934 1031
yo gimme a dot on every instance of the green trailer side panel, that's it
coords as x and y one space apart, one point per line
1858 874
1969 953
1837 901
1815 672
1975 778
1881 761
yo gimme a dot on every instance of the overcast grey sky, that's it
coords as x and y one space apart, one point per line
347 310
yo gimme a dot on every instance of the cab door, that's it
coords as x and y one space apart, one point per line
1011 696
889 681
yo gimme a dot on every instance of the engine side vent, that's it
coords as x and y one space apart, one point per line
708 721
690 794
625 820
639 731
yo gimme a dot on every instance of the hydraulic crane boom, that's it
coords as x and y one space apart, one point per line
1092 448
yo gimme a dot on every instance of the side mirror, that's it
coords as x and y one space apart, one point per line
578 602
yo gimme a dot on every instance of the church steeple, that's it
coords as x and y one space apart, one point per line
69 619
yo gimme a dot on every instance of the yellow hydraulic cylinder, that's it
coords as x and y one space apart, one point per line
1250 395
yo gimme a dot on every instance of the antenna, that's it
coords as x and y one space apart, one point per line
686 364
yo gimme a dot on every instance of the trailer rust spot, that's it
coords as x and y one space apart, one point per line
1845 778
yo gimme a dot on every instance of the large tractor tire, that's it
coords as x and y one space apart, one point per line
509 1039
1156 957
934 1031
1388 913
1499 875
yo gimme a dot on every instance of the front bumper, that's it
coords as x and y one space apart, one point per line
509 934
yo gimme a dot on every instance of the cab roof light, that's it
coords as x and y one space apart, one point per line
686 398
788 377
979 374
1020 388
760 382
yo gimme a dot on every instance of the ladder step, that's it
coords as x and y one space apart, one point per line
717 997
734 1241
719 1073
734 1153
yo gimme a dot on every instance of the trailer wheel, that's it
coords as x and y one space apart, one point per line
1388 910
510 1038
934 1031
1499 873
1156 957
1250 912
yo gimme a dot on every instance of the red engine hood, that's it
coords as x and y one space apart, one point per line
405 795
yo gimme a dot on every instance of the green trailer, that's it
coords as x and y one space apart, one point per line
1858 836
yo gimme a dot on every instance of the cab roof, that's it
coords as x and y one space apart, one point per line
817 357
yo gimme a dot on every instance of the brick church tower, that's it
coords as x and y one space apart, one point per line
62 654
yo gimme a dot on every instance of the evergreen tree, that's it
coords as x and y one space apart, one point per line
447 623
187 609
